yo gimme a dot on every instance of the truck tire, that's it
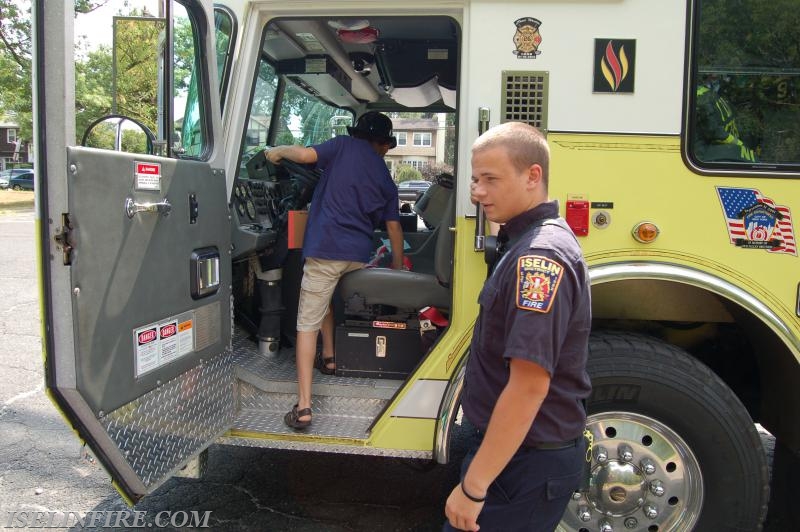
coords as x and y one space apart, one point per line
673 448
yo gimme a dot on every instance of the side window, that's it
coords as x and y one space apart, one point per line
746 76
189 124
224 30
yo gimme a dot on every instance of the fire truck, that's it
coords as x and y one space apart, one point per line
170 249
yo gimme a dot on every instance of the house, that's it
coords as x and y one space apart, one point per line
13 150
420 142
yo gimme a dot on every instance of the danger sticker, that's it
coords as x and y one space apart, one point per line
157 344
147 175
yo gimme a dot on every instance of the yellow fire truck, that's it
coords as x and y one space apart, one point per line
169 248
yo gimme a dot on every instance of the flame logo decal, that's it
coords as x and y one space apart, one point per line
615 69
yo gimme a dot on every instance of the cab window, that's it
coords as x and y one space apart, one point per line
305 120
744 103
224 29
283 112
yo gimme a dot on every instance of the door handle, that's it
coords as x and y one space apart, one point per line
132 208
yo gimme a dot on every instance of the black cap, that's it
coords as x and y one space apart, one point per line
374 126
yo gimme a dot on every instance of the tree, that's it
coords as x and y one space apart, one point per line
16 97
407 173
15 65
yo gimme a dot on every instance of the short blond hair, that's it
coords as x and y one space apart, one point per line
524 144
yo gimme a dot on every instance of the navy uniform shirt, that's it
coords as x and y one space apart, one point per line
536 306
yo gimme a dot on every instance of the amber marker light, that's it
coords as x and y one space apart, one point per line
645 232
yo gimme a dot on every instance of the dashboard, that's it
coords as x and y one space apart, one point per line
261 202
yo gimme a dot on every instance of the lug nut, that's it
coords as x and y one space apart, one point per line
648 466
651 511
584 514
657 488
605 526
631 523
625 452
602 455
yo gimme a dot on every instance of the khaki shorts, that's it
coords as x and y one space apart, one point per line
320 277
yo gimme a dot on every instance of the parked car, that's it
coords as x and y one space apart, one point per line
6 175
22 181
412 190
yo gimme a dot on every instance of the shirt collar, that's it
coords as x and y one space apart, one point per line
519 224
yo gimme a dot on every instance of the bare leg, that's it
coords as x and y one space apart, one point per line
304 352
327 337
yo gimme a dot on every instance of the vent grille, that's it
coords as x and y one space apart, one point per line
525 98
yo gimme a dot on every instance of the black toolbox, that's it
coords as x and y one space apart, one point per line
377 349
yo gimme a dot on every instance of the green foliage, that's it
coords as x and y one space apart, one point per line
407 173
15 65
754 48
136 48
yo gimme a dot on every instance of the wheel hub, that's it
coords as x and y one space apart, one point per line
619 488
644 477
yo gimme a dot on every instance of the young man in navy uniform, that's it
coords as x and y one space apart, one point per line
354 194
526 376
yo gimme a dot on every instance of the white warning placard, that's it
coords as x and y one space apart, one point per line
157 344
147 175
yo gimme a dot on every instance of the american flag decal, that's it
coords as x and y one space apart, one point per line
755 221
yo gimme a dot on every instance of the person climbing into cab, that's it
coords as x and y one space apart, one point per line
354 195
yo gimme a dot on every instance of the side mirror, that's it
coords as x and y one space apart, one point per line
119 133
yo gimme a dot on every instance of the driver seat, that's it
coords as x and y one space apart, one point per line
407 291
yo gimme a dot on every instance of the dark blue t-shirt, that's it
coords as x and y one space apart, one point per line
354 195
536 306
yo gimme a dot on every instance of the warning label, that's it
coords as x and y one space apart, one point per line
147 175
157 344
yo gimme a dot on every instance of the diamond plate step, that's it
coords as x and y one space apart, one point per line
343 407
278 374
337 417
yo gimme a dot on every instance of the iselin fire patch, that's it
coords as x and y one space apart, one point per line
537 282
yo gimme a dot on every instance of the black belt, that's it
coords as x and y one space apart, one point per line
553 446
545 446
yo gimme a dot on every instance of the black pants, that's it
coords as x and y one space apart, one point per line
532 492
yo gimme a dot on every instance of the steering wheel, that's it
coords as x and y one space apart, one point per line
305 175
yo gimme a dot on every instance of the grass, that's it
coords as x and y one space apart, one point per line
15 199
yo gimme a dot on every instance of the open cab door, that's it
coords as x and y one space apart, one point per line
133 233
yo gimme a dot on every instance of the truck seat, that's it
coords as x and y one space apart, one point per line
407 291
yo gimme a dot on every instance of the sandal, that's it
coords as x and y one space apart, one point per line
293 418
321 363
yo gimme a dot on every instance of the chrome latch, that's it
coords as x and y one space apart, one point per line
164 207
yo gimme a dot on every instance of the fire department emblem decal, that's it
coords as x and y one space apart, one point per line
537 282
527 38
756 222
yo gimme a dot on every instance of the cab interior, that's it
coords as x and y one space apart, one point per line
313 78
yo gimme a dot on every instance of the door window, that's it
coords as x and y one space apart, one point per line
224 27
136 91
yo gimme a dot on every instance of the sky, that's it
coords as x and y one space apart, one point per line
96 26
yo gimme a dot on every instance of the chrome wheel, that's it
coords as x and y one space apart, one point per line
644 477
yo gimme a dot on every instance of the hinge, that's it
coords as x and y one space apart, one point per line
62 238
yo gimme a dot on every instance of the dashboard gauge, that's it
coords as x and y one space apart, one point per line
242 191
240 209
237 191
251 209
